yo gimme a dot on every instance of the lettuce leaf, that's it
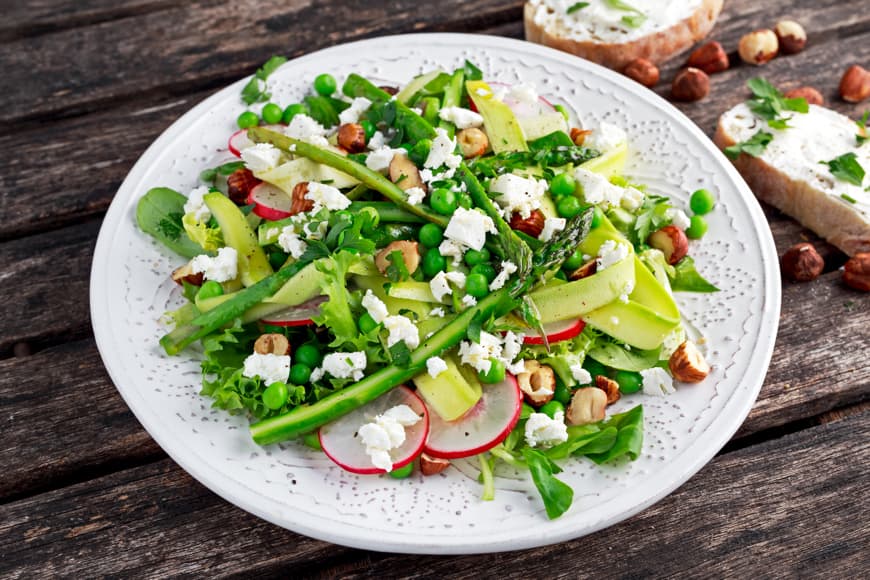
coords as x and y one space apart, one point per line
336 313
686 278
209 238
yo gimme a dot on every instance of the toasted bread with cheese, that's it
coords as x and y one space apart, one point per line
789 173
613 37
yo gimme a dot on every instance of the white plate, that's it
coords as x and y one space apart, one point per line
300 489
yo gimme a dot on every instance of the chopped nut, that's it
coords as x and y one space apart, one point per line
758 47
299 203
791 35
578 136
585 270
710 58
587 406
410 255
856 272
390 90
811 95
855 84
405 174
185 274
802 263
642 71
538 383
687 364
352 137
472 142
431 465
610 388
272 343
532 225
239 185
672 241
691 84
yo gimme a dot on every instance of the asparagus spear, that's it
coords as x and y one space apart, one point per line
414 126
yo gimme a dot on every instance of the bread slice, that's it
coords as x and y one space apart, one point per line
597 32
789 174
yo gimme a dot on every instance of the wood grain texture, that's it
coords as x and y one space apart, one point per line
793 505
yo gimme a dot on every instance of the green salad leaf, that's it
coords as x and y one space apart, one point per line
255 90
687 279
629 437
557 495
614 355
160 213
335 313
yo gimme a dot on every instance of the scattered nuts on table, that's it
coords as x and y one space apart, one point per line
672 241
687 364
431 465
610 388
690 84
710 58
855 84
532 225
812 96
856 272
272 343
758 47
352 137
802 263
642 71
410 255
791 36
538 383
587 406
472 142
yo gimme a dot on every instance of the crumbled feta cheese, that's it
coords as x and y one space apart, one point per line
221 268
316 374
513 344
271 368
440 284
375 307
326 196
386 432
437 312
377 141
452 249
597 189
657 381
610 253
261 157
461 118
677 216
468 301
435 366
402 329
196 206
469 227
632 198
543 431
380 159
580 374
291 243
304 128
551 227
345 365
442 152
524 93
416 195
626 292
605 138
357 107
518 194
478 354
507 268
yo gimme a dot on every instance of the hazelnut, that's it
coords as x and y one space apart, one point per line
272 343
472 142
410 255
642 71
389 89
578 136
431 465
538 383
672 241
855 84
587 406
809 94
185 274
610 388
690 84
352 137
532 225
802 263
687 364
585 270
758 47
710 58
239 185
856 272
405 174
791 36
298 202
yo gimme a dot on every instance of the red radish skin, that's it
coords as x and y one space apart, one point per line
301 315
239 140
270 203
557 331
483 427
343 446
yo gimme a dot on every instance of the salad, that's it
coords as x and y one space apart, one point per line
403 276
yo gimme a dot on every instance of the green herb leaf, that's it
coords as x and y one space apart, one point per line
400 354
769 103
634 20
472 73
861 137
396 270
159 214
629 438
255 91
576 6
754 146
653 215
687 279
616 356
846 168
848 198
557 495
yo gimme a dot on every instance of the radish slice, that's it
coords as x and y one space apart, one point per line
556 331
483 427
296 315
342 444
524 109
239 140
270 203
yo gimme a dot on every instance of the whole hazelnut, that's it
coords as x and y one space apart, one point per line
532 225
811 95
791 35
758 47
856 272
802 263
855 84
710 58
642 71
690 84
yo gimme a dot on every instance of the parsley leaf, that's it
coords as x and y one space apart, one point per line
652 216
576 6
397 270
634 20
770 104
400 354
255 91
754 146
846 168
861 137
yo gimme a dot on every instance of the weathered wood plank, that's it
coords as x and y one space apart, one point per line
792 505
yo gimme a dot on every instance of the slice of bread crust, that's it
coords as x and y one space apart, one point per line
839 222
656 47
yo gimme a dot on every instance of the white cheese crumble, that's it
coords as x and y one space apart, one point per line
626 292
375 307
196 206
440 284
678 218
385 433
551 227
442 152
518 194
291 243
543 431
610 253
580 374
271 368
377 141
402 329
468 301
437 312
597 189
460 117
261 157
357 107
513 344
221 268
416 195
380 159
345 365
304 128
478 354
507 268
469 228
452 249
435 366
657 381
325 196
632 198
605 138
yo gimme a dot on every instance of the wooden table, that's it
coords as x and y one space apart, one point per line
87 85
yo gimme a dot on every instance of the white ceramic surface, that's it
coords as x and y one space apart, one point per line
301 489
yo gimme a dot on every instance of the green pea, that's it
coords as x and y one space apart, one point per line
495 373
247 120
325 84
367 323
209 289
275 396
477 285
486 269
443 201
562 184
569 206
431 235
420 151
369 128
293 110
464 201
403 472
277 259
697 228
475 257
433 262
597 217
574 261
272 113
594 367
550 409
702 202
300 373
308 355
562 393
629 381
